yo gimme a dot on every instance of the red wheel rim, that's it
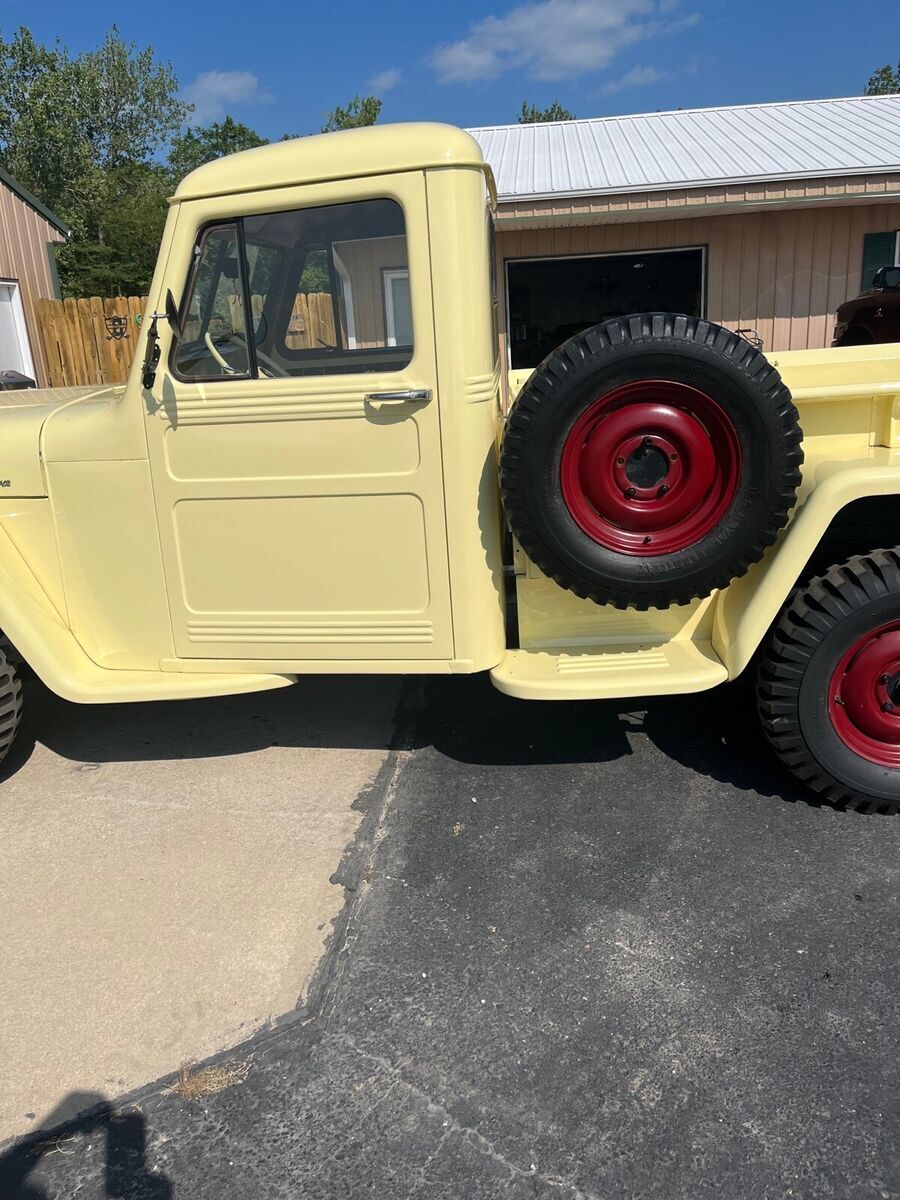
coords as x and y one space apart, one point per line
651 467
864 696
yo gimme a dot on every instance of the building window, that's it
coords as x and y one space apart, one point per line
551 299
879 250
397 307
15 349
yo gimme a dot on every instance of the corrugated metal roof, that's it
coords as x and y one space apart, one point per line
792 140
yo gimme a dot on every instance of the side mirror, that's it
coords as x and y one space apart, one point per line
172 316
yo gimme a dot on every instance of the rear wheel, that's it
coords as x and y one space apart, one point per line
829 684
10 701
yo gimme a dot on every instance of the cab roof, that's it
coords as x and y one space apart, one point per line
348 154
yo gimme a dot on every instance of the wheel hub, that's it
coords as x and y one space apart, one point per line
864 698
646 466
651 467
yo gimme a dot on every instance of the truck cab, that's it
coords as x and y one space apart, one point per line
874 315
301 474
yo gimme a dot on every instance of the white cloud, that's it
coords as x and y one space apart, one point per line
214 93
385 80
637 77
555 39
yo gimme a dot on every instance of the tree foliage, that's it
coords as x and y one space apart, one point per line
884 82
362 110
102 139
65 121
119 255
531 114
80 132
202 144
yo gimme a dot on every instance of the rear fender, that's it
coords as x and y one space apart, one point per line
746 609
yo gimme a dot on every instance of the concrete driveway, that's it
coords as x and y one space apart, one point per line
166 880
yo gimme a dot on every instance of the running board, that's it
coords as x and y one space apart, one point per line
610 671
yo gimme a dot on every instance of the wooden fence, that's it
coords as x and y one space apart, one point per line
311 325
89 341
93 341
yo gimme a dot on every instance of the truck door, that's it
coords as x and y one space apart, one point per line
294 436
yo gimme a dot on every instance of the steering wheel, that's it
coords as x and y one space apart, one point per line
272 369
214 351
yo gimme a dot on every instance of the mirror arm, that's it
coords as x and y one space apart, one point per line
152 356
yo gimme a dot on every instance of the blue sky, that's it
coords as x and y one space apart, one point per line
280 66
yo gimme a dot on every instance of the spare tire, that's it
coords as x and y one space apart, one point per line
649 460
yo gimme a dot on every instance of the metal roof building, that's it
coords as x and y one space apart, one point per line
763 217
28 234
689 147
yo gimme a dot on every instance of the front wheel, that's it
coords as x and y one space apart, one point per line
10 701
829 684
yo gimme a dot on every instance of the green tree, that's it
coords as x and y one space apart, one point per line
884 82
119 255
203 143
362 110
75 129
531 114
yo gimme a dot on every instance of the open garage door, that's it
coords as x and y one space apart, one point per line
550 299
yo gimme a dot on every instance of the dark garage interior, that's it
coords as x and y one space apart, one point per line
550 299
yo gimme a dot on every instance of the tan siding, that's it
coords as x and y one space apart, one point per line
781 272
365 261
24 236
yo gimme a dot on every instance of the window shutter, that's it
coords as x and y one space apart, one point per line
878 251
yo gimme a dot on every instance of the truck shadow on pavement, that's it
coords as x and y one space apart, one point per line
123 1134
715 733
314 714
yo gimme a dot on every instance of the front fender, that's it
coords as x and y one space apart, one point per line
747 608
32 624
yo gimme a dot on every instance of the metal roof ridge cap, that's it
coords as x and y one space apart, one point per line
669 112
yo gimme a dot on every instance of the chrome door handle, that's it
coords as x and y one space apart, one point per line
398 397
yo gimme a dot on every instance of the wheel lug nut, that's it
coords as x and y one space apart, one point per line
883 679
620 462
631 492
663 489
887 706
648 442
674 457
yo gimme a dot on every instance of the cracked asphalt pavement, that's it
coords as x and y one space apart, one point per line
593 950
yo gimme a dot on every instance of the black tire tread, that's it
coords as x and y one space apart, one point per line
10 699
809 615
656 330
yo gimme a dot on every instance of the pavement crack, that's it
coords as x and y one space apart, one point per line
453 1127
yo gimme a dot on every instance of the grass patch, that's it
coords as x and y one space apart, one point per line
194 1083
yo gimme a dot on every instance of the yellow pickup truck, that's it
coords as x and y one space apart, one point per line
319 464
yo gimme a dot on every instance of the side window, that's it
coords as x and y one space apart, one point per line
334 297
215 339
